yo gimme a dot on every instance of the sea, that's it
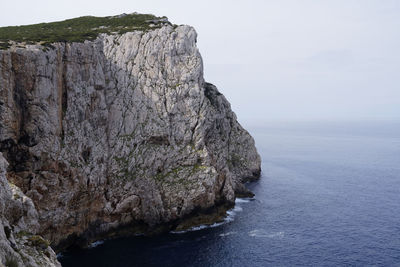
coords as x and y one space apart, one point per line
329 195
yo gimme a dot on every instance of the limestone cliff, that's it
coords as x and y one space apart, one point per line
19 244
120 130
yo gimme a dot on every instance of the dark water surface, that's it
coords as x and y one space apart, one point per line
329 195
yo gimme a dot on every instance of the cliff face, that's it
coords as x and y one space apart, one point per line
19 246
122 130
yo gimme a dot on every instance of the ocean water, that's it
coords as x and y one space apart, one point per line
329 195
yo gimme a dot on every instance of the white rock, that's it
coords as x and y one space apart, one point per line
123 124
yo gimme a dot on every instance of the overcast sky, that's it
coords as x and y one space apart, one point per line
275 60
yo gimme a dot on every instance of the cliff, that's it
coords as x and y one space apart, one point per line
119 130
19 244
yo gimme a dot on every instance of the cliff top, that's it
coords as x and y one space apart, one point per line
78 29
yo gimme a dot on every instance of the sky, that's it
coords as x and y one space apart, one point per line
275 60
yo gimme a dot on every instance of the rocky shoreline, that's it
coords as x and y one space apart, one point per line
119 132
213 215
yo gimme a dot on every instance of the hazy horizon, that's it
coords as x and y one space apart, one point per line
276 60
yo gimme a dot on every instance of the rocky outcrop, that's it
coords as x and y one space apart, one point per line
119 131
19 244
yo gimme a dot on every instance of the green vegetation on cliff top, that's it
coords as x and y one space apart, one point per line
78 29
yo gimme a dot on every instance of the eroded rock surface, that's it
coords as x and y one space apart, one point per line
118 131
19 244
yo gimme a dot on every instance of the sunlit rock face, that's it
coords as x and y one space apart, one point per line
118 131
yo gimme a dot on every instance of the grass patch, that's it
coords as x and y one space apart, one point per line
78 29
10 262
179 175
21 234
39 241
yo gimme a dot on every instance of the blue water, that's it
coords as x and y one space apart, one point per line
329 195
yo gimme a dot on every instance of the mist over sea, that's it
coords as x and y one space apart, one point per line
329 195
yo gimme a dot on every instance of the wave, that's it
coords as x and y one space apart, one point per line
96 243
228 233
243 200
265 234
229 218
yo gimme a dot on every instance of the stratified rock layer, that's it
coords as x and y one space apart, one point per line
118 131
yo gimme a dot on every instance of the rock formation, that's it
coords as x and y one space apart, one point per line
19 244
118 131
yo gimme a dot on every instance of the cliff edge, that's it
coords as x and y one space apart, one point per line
118 130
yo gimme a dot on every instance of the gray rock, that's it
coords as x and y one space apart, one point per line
118 131
18 224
